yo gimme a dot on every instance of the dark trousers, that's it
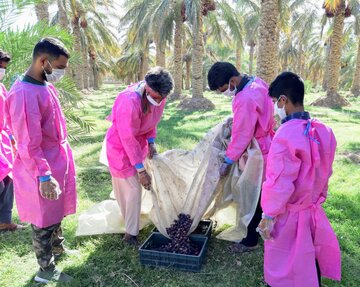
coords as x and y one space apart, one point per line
317 271
6 199
252 236
47 242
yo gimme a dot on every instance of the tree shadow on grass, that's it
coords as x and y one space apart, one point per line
95 183
352 147
110 263
171 132
106 261
352 113
19 242
114 264
90 139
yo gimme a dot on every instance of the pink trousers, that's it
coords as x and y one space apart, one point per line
128 195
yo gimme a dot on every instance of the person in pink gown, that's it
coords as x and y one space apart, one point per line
300 245
131 138
7 146
252 118
43 169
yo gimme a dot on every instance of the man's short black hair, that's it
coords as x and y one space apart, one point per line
160 80
220 74
290 85
52 47
4 57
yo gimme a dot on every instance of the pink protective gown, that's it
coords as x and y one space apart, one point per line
296 185
6 157
253 113
34 115
126 139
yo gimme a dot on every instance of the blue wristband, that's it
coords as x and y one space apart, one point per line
151 140
44 178
264 216
139 166
11 137
228 161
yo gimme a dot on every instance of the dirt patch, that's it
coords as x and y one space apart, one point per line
353 156
197 104
176 97
331 101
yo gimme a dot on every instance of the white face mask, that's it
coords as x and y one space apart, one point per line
55 76
152 101
2 73
229 93
279 111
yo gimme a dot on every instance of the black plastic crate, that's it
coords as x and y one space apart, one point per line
204 229
182 262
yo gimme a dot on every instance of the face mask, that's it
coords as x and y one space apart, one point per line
2 73
55 76
279 111
152 101
229 93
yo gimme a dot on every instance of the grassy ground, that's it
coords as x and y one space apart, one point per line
105 261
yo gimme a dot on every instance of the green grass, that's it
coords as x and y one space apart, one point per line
105 261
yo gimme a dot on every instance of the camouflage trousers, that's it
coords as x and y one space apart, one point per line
47 243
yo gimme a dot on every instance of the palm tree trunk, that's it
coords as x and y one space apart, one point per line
251 59
78 76
314 78
197 59
327 63
286 62
188 71
268 40
141 74
333 99
298 64
91 72
42 11
64 23
335 54
302 68
63 20
160 54
96 75
178 55
238 56
355 89
146 59
85 66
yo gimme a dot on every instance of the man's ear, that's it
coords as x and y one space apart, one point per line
43 59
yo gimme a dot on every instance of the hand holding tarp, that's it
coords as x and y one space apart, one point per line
145 179
225 169
152 150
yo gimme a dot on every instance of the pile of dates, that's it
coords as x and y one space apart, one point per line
180 242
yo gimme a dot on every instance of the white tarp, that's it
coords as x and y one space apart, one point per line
188 182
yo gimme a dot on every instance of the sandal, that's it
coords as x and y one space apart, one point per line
241 248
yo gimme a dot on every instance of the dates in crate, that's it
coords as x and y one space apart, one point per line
180 242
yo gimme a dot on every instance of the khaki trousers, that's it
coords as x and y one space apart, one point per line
128 195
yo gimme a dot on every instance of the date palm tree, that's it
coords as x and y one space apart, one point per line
42 10
337 10
268 39
355 88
